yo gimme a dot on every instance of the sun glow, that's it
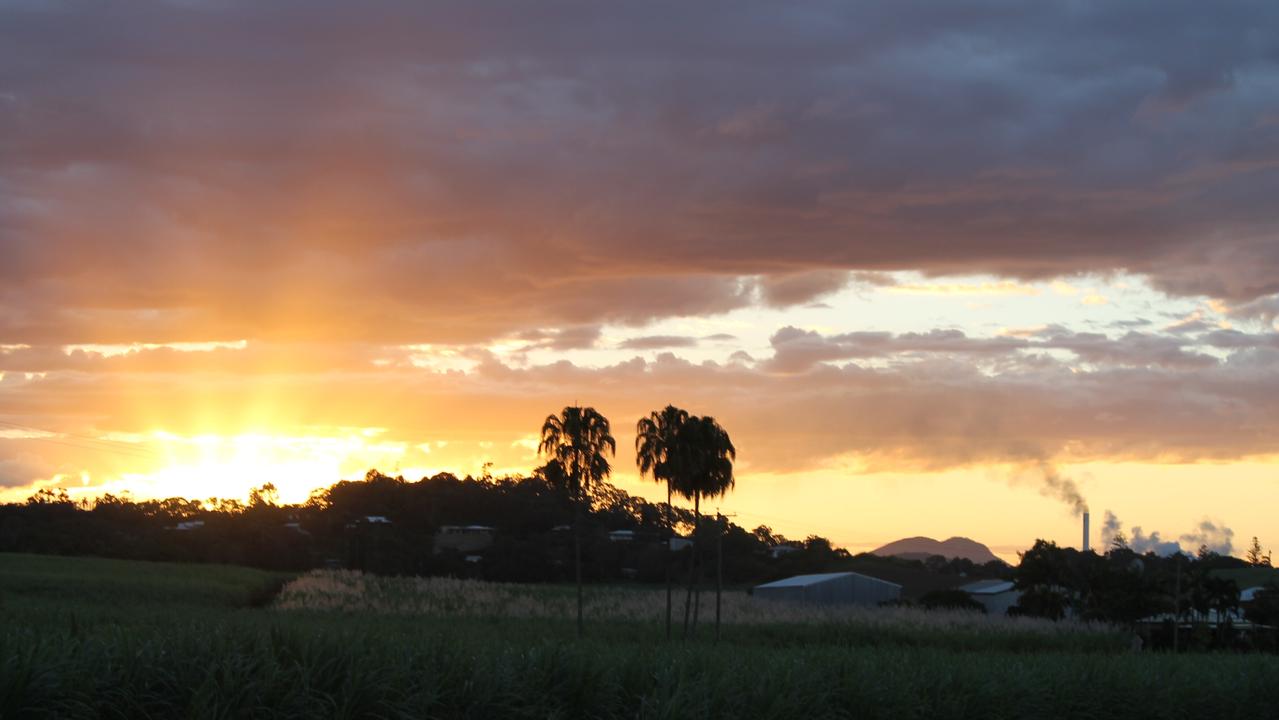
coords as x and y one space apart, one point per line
207 466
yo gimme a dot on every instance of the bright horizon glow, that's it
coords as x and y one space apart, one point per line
896 266
859 516
223 426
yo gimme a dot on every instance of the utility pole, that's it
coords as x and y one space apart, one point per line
1176 620
666 555
719 567
721 523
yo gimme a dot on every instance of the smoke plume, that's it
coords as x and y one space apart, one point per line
1110 529
1059 486
1216 537
1141 543
1213 535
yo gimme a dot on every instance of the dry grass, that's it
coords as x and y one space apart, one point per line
352 591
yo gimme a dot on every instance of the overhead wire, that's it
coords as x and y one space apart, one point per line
83 442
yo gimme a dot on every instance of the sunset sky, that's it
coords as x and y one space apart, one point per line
928 264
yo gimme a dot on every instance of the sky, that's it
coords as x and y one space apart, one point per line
939 268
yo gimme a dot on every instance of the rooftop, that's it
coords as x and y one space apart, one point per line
988 587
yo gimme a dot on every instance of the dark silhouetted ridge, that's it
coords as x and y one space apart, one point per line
918 548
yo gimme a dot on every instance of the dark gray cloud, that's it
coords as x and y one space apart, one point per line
571 338
658 342
786 290
1265 309
797 350
438 172
17 472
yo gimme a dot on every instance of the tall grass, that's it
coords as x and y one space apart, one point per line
296 671
748 619
177 647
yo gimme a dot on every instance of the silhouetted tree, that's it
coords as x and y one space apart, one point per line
579 438
710 475
1043 578
1264 608
659 453
767 537
1255 556
266 495
950 600
1119 541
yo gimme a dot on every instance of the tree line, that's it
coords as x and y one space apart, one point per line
550 525
1175 602
529 514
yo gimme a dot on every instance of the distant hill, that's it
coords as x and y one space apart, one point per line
918 548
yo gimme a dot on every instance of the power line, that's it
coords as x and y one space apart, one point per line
772 518
85 442
112 444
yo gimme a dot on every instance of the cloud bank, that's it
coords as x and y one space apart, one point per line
440 172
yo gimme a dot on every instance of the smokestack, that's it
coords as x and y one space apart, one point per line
1085 545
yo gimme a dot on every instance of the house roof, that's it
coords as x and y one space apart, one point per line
1250 594
807 580
988 587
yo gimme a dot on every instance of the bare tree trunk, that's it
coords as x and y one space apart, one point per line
666 554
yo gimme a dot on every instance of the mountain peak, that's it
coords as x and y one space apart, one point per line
920 547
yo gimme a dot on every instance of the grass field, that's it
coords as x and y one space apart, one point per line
85 638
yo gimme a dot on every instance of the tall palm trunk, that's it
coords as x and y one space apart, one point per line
670 534
577 559
697 587
694 565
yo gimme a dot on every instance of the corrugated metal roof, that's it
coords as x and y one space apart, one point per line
988 587
807 580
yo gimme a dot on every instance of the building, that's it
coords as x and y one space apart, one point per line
465 539
994 595
779 550
831 588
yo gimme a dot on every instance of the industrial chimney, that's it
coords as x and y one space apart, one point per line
1085 546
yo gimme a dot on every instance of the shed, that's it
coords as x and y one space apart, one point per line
994 595
463 538
831 588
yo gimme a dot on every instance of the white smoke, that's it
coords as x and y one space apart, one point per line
1213 535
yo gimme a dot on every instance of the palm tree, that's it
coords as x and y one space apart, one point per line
578 438
658 452
710 456
1223 598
